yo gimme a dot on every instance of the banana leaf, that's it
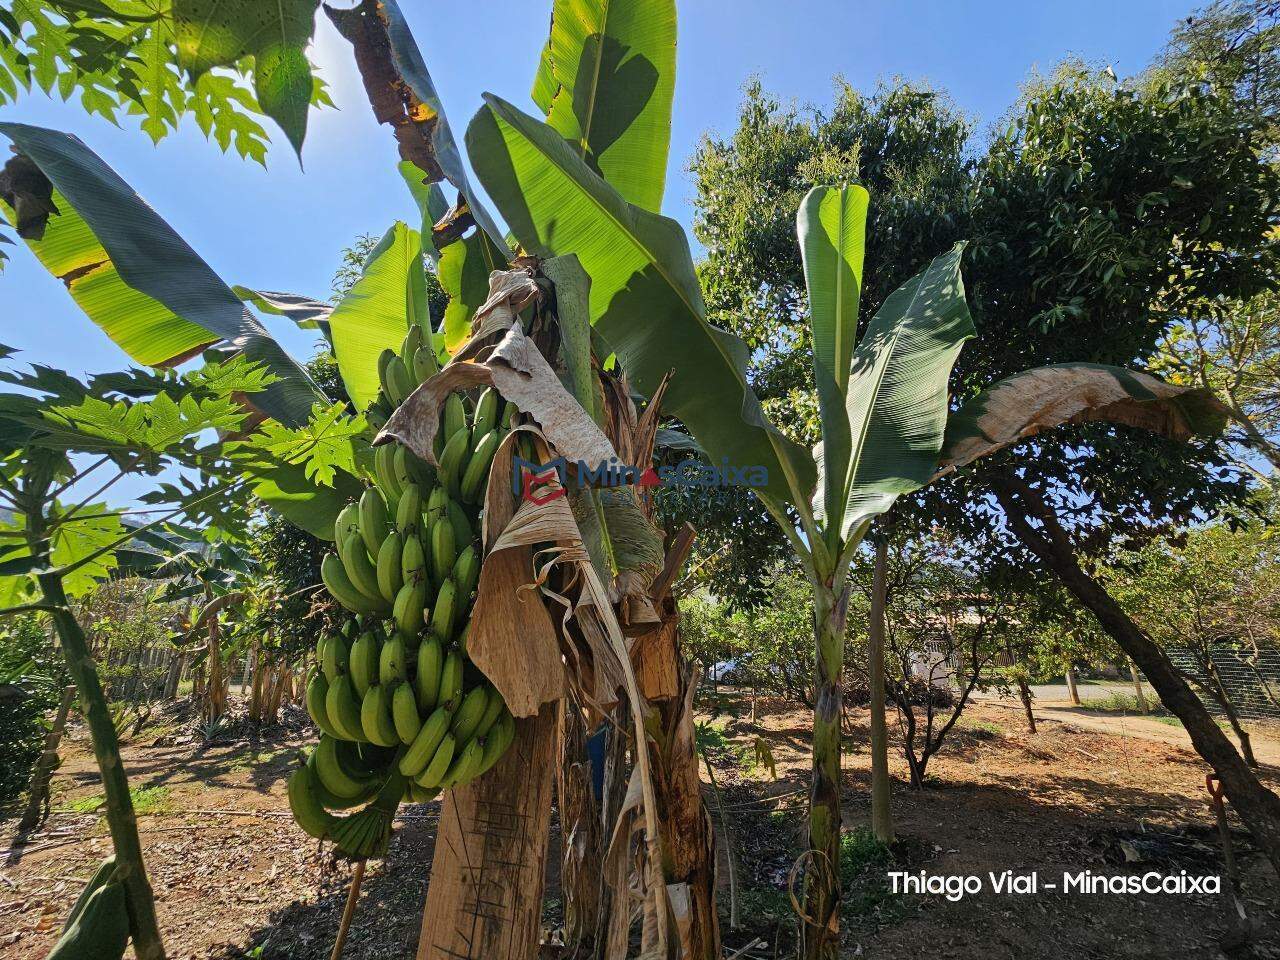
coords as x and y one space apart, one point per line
832 227
131 272
645 301
606 81
1034 400
896 401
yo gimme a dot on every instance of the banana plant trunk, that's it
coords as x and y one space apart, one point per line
121 820
38 795
820 927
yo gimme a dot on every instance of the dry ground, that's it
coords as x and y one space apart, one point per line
235 879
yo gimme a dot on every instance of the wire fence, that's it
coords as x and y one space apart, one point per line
1252 681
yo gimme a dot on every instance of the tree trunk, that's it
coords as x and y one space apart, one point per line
1024 694
821 924
1139 697
1071 685
121 820
1224 701
37 800
484 901
215 683
1257 806
881 814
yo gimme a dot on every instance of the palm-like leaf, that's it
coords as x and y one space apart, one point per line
606 82
137 279
896 402
645 301
1035 400
832 226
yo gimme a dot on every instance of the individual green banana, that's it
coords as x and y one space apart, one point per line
398 383
412 341
417 794
443 612
414 760
385 359
413 560
493 710
408 609
317 690
427 680
463 637
425 364
391 664
374 523
462 531
375 717
468 717
466 571
335 658
390 575
464 765
331 800
333 774
473 484
304 802
435 771
362 663
409 510
455 414
343 709
509 414
451 681
496 744
486 417
437 504
400 466
348 520
384 469
404 713
444 550
453 460
336 581
360 569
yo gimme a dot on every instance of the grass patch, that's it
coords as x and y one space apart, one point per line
981 729
145 800
1125 703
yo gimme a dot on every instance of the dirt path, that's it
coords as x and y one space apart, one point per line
1265 748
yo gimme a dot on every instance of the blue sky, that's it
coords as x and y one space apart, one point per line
283 228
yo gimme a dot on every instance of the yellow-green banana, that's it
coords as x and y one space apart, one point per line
462 532
444 550
390 575
408 609
455 414
451 681
425 744
472 486
337 779
343 709
453 460
469 715
384 469
362 663
464 765
391 663
466 571
305 804
427 680
493 710
443 612
425 364
413 560
497 742
398 383
409 510
486 417
360 569
435 770
348 520
335 658
374 523
404 713
317 690
375 717
336 581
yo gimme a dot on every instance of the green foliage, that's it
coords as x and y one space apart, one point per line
32 675
145 800
122 57
224 33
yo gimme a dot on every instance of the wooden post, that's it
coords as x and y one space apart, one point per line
1137 687
485 897
881 786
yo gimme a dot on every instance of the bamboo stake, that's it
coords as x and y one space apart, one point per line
357 877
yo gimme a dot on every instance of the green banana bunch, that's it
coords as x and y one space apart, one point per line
401 716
